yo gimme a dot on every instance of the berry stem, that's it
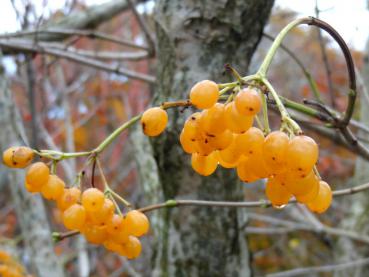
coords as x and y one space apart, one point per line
107 189
277 43
60 236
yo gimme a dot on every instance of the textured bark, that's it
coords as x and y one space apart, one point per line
195 40
357 218
30 209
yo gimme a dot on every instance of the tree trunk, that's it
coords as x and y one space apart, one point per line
195 40
30 209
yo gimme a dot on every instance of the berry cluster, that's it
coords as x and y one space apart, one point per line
10 267
90 212
223 134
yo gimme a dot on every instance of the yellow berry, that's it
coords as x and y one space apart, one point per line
53 189
92 199
274 151
37 175
132 248
69 197
277 192
204 94
251 142
248 102
212 120
235 121
244 172
18 156
323 200
136 223
154 121
95 234
74 217
204 165
221 141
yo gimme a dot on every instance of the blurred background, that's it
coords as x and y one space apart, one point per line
63 99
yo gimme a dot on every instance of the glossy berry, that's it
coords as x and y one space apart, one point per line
69 197
37 175
53 189
225 164
275 151
258 166
309 196
115 225
95 234
103 215
188 145
277 192
213 121
204 94
251 142
204 165
301 186
74 217
248 102
231 154
136 223
203 146
132 248
92 199
302 153
192 128
245 173
235 121
323 200
154 121
18 157
221 141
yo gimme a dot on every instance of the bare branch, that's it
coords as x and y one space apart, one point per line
317 269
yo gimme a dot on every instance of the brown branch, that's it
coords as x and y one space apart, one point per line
247 204
26 46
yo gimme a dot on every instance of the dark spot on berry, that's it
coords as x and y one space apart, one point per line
273 158
193 140
193 118
251 109
206 141
299 169
250 152
143 125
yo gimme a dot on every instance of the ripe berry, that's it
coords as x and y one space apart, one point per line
323 200
244 172
132 248
192 127
95 234
111 245
154 121
277 192
74 217
204 165
235 121
231 154
204 94
221 141
115 225
188 145
248 102
225 164
310 196
103 215
92 199
251 142
213 121
302 152
69 197
37 175
53 189
136 223
274 151
301 186
18 157
258 166
203 146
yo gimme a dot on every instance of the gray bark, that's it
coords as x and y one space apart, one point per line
357 217
30 209
195 40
